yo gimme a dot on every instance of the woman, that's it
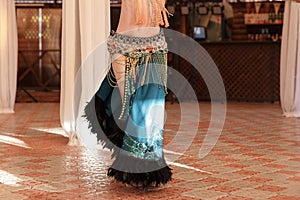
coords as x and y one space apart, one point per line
131 119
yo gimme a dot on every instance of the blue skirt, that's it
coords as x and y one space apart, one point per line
132 127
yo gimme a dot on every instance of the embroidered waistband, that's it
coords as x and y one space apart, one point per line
122 44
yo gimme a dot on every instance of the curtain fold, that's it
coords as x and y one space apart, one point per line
8 56
85 26
290 61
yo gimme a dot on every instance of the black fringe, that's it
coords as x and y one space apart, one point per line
136 172
103 125
98 113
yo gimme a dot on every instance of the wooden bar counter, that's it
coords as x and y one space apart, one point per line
250 70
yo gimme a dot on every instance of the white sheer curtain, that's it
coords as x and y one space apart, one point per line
290 61
86 24
8 56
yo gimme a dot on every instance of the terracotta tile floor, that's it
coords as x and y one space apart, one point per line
256 157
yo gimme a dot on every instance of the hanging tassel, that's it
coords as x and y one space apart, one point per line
163 13
156 10
166 14
145 63
138 16
166 22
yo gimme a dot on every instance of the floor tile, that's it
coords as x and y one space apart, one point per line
257 156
